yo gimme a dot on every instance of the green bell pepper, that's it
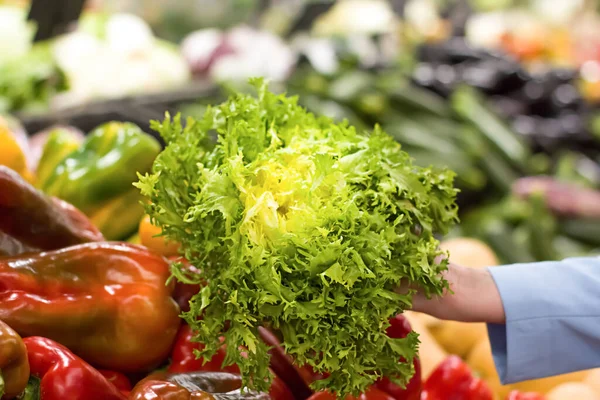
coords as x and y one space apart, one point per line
104 167
120 218
61 143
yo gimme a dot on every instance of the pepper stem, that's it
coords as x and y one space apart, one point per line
32 390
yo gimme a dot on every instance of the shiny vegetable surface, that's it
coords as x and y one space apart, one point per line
120 381
119 218
59 143
183 357
202 385
184 360
153 389
103 167
14 365
371 394
30 220
11 153
63 375
107 302
516 395
151 237
454 380
400 328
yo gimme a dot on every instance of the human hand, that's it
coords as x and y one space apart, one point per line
473 297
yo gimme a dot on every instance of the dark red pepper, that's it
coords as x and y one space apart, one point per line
183 357
32 221
279 390
297 379
371 394
183 292
63 375
120 381
399 328
454 380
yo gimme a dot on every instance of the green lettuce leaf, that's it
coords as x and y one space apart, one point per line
304 225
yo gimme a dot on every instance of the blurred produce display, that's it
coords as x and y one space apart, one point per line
108 56
504 93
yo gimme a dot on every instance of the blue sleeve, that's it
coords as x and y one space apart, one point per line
552 319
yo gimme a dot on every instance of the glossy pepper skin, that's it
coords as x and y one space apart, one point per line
11 153
31 221
107 302
183 292
150 236
120 381
103 167
183 360
165 386
14 365
516 395
119 218
454 380
53 146
300 378
296 378
371 394
183 357
63 375
152 389
400 328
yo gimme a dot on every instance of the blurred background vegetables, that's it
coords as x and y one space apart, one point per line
505 93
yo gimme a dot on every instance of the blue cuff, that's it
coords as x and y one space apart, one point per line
552 319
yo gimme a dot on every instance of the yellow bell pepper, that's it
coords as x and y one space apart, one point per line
11 154
149 236
119 218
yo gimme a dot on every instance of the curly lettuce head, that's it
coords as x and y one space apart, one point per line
304 225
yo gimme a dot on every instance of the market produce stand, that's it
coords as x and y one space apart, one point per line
153 253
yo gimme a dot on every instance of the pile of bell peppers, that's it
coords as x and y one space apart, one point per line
93 172
84 318
100 319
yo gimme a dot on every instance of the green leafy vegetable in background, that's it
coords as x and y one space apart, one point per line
304 225
28 82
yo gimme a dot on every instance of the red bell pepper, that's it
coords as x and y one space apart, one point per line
183 292
120 381
183 357
297 379
63 375
454 380
300 378
400 328
279 390
371 394
32 221
107 302
516 395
